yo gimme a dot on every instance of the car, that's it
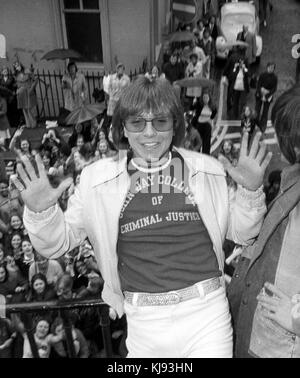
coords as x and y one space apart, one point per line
230 22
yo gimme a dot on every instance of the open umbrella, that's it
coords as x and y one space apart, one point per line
85 113
181 36
193 82
61 54
5 92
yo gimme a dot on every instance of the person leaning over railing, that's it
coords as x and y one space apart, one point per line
156 218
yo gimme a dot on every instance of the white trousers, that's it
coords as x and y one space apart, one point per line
197 328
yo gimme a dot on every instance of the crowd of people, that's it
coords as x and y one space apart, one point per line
27 275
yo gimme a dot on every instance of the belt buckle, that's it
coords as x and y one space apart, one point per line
173 297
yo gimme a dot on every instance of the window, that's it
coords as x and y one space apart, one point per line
83 28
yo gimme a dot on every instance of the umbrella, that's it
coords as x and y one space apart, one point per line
195 82
181 36
61 54
4 92
84 113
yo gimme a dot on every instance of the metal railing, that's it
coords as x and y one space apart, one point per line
25 309
50 92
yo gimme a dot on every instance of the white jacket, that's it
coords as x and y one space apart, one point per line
94 210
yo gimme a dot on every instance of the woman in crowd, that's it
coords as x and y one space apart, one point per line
205 113
28 257
40 290
266 283
146 278
11 285
26 94
13 113
20 145
74 88
248 121
43 339
16 224
14 246
194 69
105 149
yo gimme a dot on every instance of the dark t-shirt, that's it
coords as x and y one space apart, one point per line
163 244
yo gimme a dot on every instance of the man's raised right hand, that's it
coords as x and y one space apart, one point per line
36 191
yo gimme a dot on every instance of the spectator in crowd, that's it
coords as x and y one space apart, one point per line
265 90
8 81
173 69
248 121
19 144
49 268
205 113
105 149
74 88
10 201
117 83
265 286
27 257
59 350
26 94
40 290
4 123
11 285
212 27
200 30
64 287
195 70
263 10
16 224
208 46
229 151
238 87
43 339
14 246
145 115
192 140
251 49
81 278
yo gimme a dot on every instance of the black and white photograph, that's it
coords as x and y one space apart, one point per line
149 182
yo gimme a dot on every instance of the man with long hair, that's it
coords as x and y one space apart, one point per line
156 217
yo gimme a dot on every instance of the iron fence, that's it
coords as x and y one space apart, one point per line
50 92
25 309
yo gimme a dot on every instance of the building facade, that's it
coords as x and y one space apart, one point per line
103 31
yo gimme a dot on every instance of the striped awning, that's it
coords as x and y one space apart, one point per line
184 10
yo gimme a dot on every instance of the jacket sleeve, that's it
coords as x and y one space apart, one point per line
52 232
246 214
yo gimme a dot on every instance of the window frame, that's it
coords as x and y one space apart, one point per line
105 35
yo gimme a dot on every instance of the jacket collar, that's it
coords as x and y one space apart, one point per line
112 168
289 177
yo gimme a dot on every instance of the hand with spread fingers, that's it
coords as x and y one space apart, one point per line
250 169
36 191
277 307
